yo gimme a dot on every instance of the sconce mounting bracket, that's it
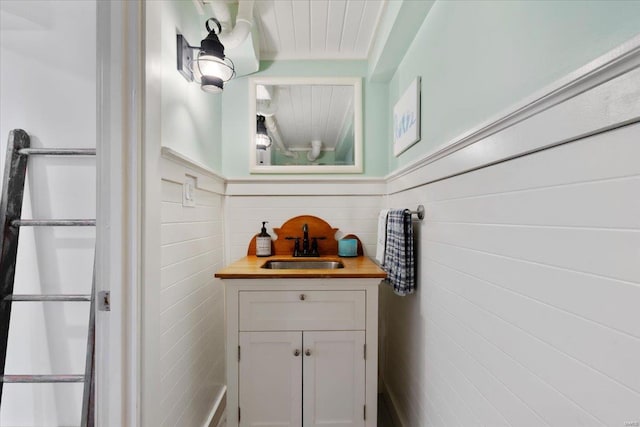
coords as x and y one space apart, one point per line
185 55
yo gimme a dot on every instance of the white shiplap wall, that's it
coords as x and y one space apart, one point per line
353 214
526 312
192 301
526 309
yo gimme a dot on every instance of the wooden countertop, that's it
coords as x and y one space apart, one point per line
249 267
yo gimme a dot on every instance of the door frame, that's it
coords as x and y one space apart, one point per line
119 56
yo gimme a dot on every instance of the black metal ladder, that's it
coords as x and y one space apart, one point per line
18 152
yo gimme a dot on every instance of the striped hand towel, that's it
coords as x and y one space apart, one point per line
399 261
382 236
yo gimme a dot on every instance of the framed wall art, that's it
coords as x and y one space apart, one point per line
406 118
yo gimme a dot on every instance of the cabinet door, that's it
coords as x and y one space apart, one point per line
334 378
270 383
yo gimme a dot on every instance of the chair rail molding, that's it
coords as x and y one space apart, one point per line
599 96
305 186
173 169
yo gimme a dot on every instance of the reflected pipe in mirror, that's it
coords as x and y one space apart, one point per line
315 124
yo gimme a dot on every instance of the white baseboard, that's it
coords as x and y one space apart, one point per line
216 416
223 421
390 402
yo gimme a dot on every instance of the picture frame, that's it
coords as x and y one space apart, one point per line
406 118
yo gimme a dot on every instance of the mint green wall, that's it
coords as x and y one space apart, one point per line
191 118
478 58
397 27
236 123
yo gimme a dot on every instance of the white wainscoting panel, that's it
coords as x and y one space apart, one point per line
353 214
192 301
526 310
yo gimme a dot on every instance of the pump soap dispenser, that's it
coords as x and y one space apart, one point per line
263 242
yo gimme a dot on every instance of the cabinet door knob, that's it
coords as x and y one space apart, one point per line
308 352
296 352
302 297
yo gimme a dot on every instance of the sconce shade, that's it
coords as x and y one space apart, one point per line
211 72
263 140
211 66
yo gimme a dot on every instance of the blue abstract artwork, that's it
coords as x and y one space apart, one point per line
406 119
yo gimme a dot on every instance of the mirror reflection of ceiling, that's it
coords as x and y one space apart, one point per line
305 113
317 29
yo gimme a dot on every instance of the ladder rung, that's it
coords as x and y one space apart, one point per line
49 298
53 222
17 379
58 151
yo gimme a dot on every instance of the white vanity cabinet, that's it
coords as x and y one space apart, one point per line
270 379
302 352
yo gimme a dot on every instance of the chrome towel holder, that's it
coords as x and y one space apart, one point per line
419 212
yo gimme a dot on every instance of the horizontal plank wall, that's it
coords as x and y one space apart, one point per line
356 213
192 301
526 310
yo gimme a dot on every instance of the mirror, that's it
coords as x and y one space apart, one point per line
305 125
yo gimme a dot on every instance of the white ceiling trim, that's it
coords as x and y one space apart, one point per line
309 56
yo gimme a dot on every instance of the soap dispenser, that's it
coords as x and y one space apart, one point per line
263 242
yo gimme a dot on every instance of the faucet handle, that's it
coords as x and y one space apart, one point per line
296 245
314 245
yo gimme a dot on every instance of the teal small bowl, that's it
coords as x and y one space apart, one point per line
348 247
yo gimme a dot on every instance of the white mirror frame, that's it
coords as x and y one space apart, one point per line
356 82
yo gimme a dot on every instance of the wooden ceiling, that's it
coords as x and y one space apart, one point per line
316 29
308 30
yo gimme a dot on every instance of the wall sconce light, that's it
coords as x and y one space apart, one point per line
263 140
206 64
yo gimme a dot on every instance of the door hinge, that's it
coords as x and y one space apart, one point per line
365 352
104 301
364 412
238 353
239 414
